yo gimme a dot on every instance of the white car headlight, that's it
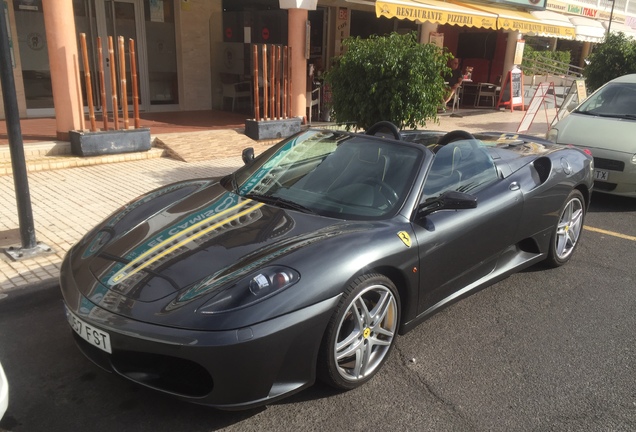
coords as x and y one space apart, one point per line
634 159
4 392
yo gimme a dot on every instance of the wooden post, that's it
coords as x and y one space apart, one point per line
285 77
289 83
279 69
133 78
257 112
102 84
89 87
113 81
272 95
122 79
265 85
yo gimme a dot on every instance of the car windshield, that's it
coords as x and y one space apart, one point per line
613 100
332 173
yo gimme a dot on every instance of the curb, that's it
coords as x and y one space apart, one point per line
12 295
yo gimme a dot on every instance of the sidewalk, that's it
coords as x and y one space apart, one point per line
67 203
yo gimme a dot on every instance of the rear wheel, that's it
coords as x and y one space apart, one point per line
361 332
568 230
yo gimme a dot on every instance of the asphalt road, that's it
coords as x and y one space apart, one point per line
544 350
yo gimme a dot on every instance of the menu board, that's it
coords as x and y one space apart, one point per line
512 89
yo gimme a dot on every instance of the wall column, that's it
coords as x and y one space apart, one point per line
426 28
61 38
585 52
296 41
509 57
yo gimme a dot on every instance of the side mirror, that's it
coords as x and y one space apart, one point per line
451 200
247 155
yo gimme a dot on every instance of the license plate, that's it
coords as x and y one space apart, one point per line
94 336
601 175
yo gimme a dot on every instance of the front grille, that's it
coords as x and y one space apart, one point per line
161 372
604 186
609 164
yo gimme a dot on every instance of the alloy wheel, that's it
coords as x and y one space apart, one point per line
365 333
569 228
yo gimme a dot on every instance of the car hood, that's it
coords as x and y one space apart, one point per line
597 132
178 247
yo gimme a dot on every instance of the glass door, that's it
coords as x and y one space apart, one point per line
123 18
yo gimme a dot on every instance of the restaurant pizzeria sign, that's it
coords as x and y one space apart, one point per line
435 14
536 28
449 13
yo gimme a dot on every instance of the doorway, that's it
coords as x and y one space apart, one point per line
122 19
151 24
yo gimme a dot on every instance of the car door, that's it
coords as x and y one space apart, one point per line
459 247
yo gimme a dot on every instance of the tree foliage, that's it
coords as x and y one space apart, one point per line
615 57
392 78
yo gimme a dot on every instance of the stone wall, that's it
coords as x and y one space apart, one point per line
193 38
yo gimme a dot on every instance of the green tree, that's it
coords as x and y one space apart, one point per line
615 57
392 78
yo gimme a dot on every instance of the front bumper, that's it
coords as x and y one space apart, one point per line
621 172
233 369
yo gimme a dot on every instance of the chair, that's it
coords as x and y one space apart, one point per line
456 98
313 100
486 90
233 88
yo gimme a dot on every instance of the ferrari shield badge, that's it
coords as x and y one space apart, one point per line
406 239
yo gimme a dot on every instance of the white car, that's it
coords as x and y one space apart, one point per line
4 392
605 123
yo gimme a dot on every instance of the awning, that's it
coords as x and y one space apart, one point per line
616 27
526 23
587 29
436 12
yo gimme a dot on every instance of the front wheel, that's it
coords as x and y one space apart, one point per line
567 231
361 332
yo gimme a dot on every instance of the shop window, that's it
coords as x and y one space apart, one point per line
162 53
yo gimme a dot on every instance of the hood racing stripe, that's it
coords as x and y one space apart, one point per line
139 264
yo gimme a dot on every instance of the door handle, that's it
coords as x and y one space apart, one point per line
514 186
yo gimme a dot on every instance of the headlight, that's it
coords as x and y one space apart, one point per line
552 135
634 159
253 289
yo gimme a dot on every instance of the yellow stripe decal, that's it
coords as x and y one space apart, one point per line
121 274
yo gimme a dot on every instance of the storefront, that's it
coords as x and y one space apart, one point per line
184 46
151 24
482 36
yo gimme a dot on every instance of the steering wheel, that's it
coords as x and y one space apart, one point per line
389 194
385 125
455 136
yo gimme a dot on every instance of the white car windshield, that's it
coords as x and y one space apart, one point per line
613 100
333 174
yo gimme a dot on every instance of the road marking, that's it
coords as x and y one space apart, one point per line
611 233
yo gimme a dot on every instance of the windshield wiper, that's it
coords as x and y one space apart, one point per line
618 116
278 201
235 187
597 114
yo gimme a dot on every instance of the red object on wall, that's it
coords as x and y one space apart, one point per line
228 33
265 33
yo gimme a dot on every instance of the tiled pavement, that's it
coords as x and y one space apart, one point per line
70 195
